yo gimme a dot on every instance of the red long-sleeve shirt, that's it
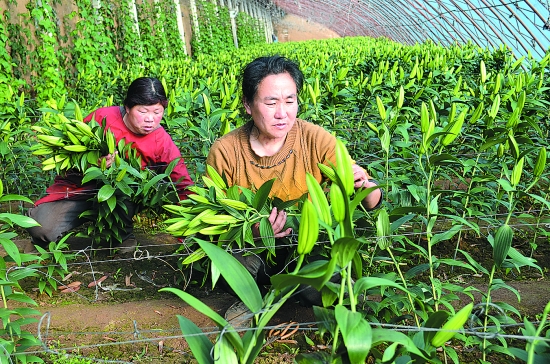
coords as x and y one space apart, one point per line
156 149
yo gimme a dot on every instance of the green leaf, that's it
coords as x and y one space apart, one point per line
540 163
356 332
14 198
474 262
111 202
442 159
367 283
224 352
262 194
445 235
383 230
198 342
344 250
12 250
91 174
457 263
520 260
235 274
389 353
266 232
215 177
105 193
416 270
505 184
315 274
208 312
380 336
153 182
20 220
21 297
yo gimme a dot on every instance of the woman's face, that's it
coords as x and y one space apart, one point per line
143 119
275 106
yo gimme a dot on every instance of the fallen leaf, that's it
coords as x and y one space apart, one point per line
70 289
70 285
69 275
94 283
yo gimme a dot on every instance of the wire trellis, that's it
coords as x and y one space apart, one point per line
140 336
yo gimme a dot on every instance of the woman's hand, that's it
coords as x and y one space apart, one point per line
109 159
278 221
362 180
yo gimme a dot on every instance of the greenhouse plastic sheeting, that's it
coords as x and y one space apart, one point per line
523 26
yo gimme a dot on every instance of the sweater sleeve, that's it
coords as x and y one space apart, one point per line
326 155
322 148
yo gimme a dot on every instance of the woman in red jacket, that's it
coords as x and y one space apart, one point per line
137 122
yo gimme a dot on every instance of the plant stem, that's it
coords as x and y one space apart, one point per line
5 302
428 230
340 302
352 301
299 264
404 284
532 345
466 205
485 319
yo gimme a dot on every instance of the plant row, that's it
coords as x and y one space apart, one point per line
456 137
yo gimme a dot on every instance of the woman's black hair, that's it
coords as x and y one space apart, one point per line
145 91
261 67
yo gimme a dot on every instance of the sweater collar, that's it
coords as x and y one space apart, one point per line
286 151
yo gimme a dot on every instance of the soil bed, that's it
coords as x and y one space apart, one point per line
128 319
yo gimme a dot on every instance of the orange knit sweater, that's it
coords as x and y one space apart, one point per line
306 145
